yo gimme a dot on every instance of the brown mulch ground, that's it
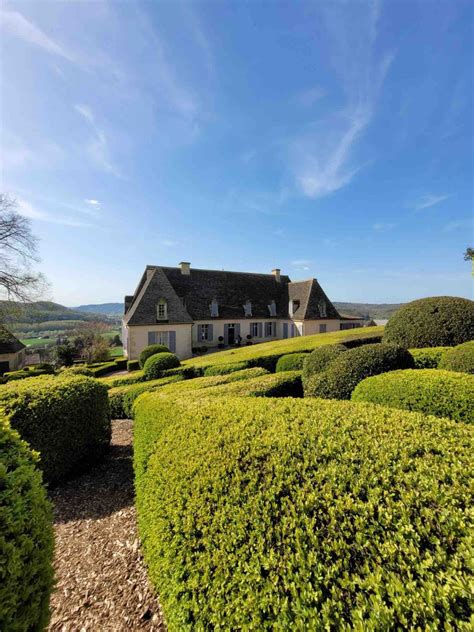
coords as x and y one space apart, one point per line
101 582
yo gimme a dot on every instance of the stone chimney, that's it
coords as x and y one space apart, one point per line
276 274
185 267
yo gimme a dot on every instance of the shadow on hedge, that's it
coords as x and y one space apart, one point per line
106 488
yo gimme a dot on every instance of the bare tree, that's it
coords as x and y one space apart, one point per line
18 251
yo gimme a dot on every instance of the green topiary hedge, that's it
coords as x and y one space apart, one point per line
159 362
80 369
282 384
29 371
351 367
320 358
102 368
224 369
428 358
26 537
133 365
303 515
150 351
66 419
460 358
291 362
122 398
430 391
432 322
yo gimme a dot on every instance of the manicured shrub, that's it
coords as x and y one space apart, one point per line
291 362
26 537
157 363
282 384
150 351
66 419
303 515
122 398
432 322
182 389
461 358
186 372
351 367
77 370
133 365
102 368
428 358
267 362
26 373
223 369
319 359
429 391
121 363
123 380
352 343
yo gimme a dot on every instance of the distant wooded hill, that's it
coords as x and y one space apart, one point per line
43 311
372 310
377 311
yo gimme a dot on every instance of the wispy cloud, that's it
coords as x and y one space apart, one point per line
459 224
98 147
27 209
94 203
307 98
426 201
302 264
323 154
381 227
169 243
16 24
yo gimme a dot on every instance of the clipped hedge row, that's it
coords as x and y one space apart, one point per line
149 351
224 369
26 537
257 354
429 357
460 358
122 398
432 322
199 383
319 359
102 369
291 362
303 514
29 371
430 391
133 365
66 419
351 367
156 364
282 384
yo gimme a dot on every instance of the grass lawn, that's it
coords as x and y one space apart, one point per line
116 352
288 345
38 342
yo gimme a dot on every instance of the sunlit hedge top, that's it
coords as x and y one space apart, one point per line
286 514
432 322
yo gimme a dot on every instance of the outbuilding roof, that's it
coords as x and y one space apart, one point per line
8 342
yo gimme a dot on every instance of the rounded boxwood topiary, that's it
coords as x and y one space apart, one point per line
291 362
224 369
77 370
303 515
149 351
428 358
320 358
429 391
26 537
159 362
432 322
460 358
348 369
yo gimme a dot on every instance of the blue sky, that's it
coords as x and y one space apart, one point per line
331 139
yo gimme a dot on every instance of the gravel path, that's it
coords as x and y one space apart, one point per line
101 582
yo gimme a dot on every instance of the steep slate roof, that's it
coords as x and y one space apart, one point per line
189 296
157 286
309 293
8 342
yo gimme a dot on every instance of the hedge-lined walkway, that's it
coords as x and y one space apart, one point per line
101 581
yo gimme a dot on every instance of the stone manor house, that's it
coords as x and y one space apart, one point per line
188 309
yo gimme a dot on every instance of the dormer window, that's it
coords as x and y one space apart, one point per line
294 305
214 307
247 308
272 308
322 308
162 310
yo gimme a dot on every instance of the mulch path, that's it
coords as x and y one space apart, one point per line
101 582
